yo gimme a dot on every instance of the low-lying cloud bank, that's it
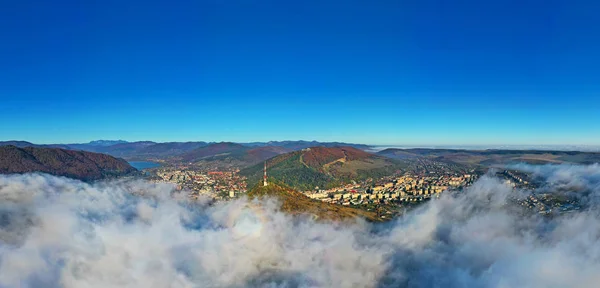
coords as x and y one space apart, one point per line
57 232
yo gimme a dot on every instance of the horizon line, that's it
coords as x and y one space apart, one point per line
336 141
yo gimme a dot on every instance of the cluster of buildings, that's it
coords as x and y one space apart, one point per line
542 203
391 190
517 179
548 203
410 187
214 184
406 188
533 203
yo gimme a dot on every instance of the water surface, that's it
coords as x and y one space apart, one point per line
140 165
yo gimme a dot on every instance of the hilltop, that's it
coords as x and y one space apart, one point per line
74 164
323 167
296 203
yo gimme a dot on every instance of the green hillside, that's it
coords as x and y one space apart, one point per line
322 167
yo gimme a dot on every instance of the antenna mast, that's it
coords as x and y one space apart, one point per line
265 178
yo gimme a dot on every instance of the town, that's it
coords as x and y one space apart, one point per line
389 190
389 195
218 185
543 203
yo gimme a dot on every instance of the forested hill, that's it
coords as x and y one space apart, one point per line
323 167
74 164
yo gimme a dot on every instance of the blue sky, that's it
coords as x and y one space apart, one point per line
377 72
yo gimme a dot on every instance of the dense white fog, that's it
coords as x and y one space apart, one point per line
57 232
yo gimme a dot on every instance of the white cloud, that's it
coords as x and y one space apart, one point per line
57 232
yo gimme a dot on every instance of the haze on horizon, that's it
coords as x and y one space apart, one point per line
386 73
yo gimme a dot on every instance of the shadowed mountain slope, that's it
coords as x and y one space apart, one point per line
74 164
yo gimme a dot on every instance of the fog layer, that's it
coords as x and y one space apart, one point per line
57 232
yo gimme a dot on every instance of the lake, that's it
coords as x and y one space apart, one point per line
140 165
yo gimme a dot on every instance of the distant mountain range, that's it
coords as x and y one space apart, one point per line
323 167
212 150
320 166
105 142
493 157
187 151
298 145
230 154
161 150
61 162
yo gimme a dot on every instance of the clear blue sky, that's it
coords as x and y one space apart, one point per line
377 72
